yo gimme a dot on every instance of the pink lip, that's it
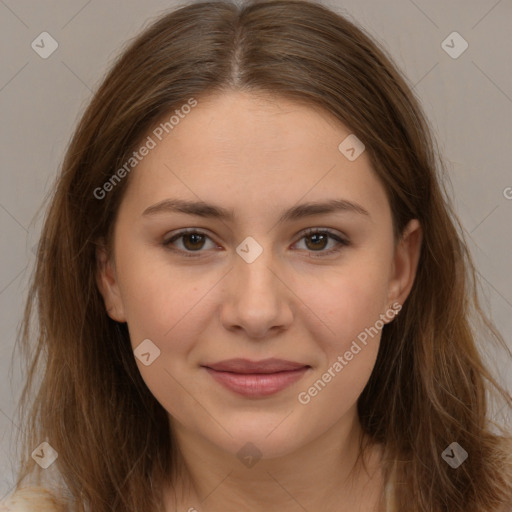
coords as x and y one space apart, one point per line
256 378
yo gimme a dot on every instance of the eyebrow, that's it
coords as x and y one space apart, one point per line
202 209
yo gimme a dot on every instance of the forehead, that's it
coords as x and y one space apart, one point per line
236 148
240 123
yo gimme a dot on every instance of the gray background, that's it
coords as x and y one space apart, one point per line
467 99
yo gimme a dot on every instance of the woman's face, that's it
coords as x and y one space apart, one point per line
254 284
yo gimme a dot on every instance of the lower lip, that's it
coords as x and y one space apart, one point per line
257 384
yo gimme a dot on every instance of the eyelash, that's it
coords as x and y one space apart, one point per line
312 231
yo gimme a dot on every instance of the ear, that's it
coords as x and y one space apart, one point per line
106 280
405 262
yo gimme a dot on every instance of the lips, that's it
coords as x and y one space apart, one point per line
264 366
256 379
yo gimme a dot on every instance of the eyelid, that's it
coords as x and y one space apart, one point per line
341 239
329 231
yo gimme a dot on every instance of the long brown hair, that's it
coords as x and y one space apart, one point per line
429 386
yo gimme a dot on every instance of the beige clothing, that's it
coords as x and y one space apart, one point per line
30 499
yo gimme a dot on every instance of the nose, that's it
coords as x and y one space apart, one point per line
258 298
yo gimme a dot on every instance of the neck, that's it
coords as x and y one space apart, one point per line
325 474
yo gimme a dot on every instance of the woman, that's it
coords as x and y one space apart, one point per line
254 292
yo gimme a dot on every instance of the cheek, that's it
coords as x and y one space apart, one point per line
348 302
351 307
158 298
168 309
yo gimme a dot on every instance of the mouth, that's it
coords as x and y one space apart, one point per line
256 378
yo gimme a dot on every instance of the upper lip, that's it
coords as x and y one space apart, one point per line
271 365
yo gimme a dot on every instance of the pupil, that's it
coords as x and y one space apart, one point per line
195 239
316 237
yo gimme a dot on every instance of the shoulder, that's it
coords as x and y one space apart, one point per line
31 499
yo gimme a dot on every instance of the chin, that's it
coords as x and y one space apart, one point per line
261 439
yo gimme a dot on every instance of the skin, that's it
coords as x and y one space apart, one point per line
258 155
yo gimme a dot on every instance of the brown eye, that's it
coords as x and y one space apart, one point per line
192 241
317 240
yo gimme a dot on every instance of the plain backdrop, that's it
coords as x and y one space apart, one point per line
468 100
